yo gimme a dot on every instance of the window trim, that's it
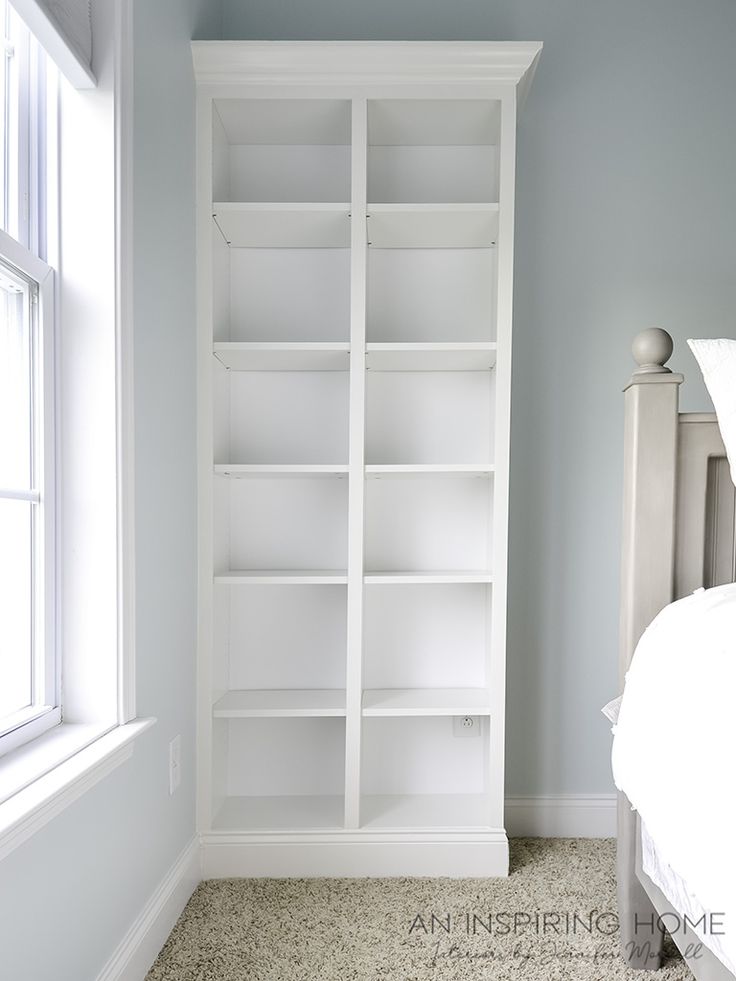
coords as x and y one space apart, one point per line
45 711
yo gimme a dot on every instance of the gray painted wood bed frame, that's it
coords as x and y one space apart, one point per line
679 533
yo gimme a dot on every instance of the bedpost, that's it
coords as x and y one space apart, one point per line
647 573
650 467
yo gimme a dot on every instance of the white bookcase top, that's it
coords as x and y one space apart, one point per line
337 63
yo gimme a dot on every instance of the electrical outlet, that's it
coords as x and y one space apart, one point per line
174 764
465 726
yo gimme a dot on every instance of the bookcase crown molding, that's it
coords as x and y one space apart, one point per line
335 63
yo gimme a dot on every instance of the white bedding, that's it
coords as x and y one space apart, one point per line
674 749
681 897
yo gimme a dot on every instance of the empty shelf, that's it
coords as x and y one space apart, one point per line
257 356
426 701
285 226
413 578
436 469
451 811
431 357
287 813
432 226
280 470
282 577
296 703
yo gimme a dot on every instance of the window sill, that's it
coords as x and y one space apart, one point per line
66 762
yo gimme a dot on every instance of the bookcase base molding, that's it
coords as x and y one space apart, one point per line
453 855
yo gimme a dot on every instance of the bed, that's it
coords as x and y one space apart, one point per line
679 535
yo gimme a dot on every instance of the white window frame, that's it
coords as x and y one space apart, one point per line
45 710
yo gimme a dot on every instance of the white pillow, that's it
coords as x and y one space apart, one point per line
717 360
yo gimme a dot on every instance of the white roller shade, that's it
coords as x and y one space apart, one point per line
64 28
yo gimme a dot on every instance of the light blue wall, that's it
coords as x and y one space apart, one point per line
626 216
68 895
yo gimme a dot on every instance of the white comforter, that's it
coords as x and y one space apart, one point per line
674 749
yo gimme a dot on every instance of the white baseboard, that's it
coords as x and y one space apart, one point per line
139 947
561 816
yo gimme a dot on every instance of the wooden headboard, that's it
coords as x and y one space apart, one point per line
705 514
679 505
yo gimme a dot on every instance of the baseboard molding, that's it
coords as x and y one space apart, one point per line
139 947
566 816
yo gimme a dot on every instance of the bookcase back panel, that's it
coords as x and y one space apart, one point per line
288 417
288 523
284 121
289 295
445 295
432 174
434 122
421 523
275 757
289 637
430 417
433 636
289 173
422 756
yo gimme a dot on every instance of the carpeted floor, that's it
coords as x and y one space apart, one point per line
372 929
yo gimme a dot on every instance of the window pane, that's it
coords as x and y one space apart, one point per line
16 607
4 122
15 126
15 385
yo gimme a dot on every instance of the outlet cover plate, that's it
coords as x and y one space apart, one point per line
466 726
174 764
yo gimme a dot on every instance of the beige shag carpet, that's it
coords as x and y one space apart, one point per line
372 929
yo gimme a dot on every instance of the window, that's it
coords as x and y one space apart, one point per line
29 676
67 569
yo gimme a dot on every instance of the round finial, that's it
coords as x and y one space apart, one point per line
652 348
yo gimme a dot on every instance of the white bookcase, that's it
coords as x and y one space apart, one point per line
356 216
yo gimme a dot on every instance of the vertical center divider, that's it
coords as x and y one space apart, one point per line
356 489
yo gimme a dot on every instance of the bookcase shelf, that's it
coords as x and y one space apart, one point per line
295 703
275 225
282 577
426 702
355 228
432 226
378 470
282 356
244 470
446 577
430 356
